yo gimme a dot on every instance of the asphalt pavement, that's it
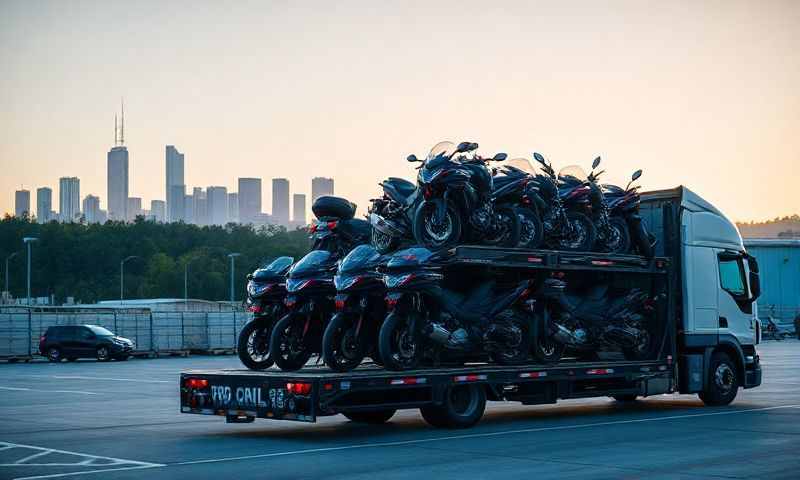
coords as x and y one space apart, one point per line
121 420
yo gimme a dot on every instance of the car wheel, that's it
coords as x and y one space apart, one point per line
54 354
102 354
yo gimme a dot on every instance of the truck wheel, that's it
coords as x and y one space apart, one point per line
462 408
287 345
376 417
723 381
253 345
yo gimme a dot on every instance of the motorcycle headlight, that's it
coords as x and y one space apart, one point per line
393 281
255 289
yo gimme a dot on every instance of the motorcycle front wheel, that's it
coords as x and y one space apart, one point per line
343 349
287 344
506 228
531 229
253 344
618 238
399 346
583 233
433 235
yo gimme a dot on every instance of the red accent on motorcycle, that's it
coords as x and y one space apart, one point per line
254 308
332 224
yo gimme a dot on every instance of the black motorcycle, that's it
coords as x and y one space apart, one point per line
599 319
352 333
516 187
612 231
266 289
562 202
624 203
428 320
309 304
457 200
392 215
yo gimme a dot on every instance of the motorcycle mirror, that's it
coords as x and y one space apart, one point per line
538 157
249 276
412 158
464 147
636 175
473 146
499 157
595 163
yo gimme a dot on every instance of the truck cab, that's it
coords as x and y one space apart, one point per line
718 326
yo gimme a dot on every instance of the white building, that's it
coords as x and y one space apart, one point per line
44 204
175 178
91 209
321 186
249 199
117 183
158 210
217 198
69 194
22 203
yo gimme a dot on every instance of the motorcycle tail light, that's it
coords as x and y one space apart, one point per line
332 224
339 304
312 228
254 308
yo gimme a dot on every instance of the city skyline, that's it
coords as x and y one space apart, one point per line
690 92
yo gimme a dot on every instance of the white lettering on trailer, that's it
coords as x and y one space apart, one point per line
243 396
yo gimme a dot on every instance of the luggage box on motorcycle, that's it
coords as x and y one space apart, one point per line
337 207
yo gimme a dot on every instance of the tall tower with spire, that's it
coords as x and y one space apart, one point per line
117 170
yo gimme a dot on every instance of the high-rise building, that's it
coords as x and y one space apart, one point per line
320 186
44 204
158 210
217 205
200 213
69 194
177 212
188 208
91 209
249 199
134 208
118 183
299 209
280 201
175 201
22 203
233 207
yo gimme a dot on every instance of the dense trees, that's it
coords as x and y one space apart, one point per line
83 261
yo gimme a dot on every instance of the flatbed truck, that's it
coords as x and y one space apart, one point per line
707 337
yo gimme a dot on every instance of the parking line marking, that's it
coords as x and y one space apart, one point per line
74 391
88 472
81 377
19 389
477 435
16 389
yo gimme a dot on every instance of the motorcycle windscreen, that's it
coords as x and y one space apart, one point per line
313 263
410 257
360 258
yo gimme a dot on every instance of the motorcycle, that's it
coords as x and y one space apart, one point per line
457 203
428 320
597 319
309 304
612 231
624 203
352 332
392 215
511 188
334 228
266 288
565 227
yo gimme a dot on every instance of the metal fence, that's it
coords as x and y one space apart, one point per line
153 332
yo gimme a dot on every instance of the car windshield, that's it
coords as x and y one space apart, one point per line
361 257
279 265
572 173
522 164
311 263
100 331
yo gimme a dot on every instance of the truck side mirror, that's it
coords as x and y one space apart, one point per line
754 278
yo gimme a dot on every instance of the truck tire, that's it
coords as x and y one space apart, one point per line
723 381
462 408
376 417
253 344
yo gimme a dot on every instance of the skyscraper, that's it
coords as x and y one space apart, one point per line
118 183
22 203
217 205
320 186
134 208
44 204
158 210
200 213
299 209
249 199
178 211
91 209
188 208
175 166
69 194
280 201
233 207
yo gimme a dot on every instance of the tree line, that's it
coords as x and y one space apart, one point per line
83 261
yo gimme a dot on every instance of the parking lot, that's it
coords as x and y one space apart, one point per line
121 420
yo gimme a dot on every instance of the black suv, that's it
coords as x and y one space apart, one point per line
83 341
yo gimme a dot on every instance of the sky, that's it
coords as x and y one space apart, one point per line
703 94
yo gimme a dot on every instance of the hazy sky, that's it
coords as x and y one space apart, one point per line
705 94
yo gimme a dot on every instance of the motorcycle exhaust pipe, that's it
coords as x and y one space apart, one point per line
439 334
566 336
